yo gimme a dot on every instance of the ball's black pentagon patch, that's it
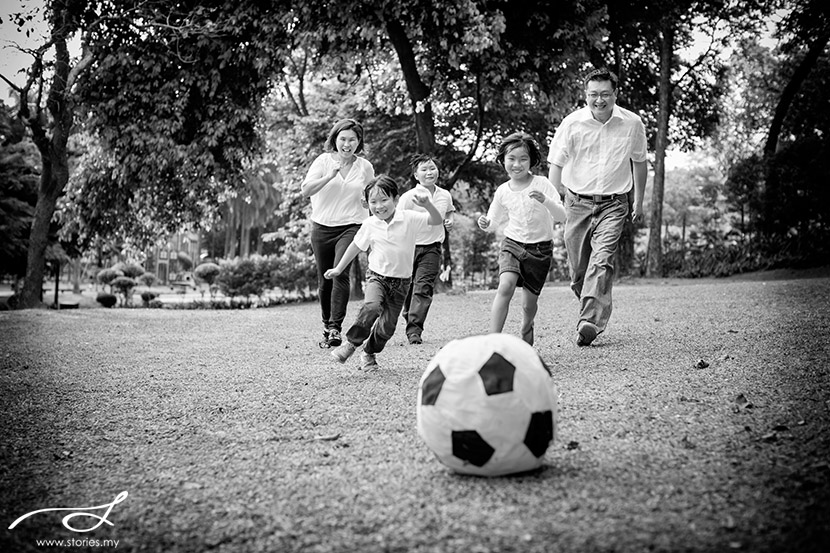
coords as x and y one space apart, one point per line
497 375
539 432
432 386
469 446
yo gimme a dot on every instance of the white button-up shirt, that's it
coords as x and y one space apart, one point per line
528 221
391 245
596 157
339 201
441 199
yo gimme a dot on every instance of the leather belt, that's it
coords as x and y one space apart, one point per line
597 198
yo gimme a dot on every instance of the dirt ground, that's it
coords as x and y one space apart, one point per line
700 421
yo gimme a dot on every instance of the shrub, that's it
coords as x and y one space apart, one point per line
155 304
106 300
132 270
243 277
147 297
124 285
147 279
106 276
184 261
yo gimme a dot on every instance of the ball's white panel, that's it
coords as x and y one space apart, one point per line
501 419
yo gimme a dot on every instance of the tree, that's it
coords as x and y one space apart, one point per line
18 193
171 93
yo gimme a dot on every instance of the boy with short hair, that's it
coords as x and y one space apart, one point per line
389 234
427 263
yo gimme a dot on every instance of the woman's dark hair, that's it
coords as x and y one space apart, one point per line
386 184
516 140
345 125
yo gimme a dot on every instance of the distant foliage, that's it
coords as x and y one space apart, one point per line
106 300
106 276
207 272
147 279
131 270
243 277
124 285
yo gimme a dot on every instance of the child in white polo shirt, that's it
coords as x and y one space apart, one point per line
389 235
530 204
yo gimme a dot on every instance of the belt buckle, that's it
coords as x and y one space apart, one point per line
598 198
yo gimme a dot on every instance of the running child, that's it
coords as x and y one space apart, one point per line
531 205
428 243
389 234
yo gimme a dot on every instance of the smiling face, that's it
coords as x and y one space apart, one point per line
517 163
601 98
346 143
426 173
381 205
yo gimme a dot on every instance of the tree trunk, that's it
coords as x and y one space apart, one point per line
52 148
417 89
771 189
655 242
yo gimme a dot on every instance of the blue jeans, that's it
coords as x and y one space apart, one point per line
592 232
329 244
425 269
378 316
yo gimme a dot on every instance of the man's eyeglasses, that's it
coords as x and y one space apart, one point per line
603 95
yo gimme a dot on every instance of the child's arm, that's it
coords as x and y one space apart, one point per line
494 214
423 201
351 253
556 210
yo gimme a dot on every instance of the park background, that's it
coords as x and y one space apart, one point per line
180 131
141 142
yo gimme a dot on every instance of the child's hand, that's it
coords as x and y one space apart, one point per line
448 224
331 273
420 199
537 195
483 222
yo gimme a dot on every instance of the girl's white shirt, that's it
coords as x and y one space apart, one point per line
528 221
339 202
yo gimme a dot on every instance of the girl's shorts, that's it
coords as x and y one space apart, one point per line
530 261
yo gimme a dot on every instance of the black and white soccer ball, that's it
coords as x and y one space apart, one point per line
487 406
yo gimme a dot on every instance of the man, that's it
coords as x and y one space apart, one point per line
597 154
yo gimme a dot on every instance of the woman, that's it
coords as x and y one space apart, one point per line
335 183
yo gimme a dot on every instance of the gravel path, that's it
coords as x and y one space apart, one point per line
699 422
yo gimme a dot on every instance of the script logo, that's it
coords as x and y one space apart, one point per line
79 512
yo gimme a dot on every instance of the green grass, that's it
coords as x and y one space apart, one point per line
232 431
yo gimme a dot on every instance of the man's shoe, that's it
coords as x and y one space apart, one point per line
335 339
587 333
368 361
415 339
343 351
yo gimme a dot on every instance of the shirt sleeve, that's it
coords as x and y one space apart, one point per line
317 169
406 201
443 203
558 154
639 146
552 202
362 239
497 214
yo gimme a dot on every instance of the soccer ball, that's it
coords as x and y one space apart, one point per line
487 406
